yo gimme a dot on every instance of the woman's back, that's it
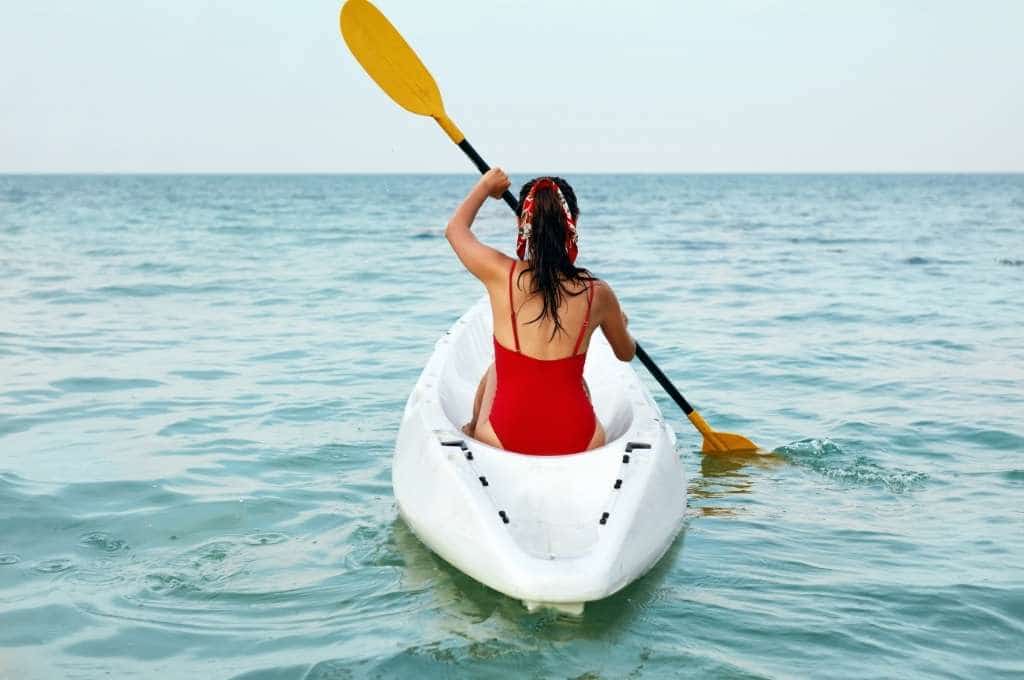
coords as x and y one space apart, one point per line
541 404
536 334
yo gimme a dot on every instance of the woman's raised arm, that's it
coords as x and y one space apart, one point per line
482 261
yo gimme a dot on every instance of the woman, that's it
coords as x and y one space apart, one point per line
533 398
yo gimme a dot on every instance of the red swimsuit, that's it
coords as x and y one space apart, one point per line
540 405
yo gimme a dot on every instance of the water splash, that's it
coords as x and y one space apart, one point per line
850 466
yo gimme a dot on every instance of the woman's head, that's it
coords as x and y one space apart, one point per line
547 214
547 217
564 186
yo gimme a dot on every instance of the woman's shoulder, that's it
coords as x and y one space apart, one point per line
601 287
604 295
504 267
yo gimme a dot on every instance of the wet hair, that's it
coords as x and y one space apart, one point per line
548 260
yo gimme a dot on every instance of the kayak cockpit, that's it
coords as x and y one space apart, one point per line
461 374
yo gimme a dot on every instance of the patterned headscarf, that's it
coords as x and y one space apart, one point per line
526 220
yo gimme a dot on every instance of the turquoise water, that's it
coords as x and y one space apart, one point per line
201 380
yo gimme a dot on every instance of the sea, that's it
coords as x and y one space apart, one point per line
202 377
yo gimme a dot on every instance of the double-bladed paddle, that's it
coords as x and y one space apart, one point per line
391 63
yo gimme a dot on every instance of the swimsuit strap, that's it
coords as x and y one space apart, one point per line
512 306
586 321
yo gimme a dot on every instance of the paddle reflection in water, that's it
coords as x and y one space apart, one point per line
724 475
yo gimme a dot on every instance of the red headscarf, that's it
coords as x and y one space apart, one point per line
526 220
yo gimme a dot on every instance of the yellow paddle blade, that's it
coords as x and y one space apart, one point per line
388 59
721 442
727 442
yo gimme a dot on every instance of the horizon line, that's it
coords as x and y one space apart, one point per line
435 173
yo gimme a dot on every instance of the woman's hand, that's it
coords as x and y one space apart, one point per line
495 182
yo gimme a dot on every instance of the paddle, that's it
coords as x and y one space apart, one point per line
392 64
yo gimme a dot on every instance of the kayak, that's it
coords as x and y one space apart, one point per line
553 531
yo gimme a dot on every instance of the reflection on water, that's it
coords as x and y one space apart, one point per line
469 602
723 475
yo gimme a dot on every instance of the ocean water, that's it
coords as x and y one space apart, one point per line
201 379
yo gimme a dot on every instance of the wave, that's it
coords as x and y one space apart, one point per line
102 384
930 260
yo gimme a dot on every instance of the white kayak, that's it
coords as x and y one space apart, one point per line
554 531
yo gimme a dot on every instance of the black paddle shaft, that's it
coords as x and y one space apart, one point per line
646 360
482 166
663 380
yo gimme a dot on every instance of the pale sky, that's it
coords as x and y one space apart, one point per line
656 86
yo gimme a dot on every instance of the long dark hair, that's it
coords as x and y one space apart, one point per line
549 261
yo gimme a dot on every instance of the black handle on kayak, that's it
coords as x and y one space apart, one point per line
646 360
482 166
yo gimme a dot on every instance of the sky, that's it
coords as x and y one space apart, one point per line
537 86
